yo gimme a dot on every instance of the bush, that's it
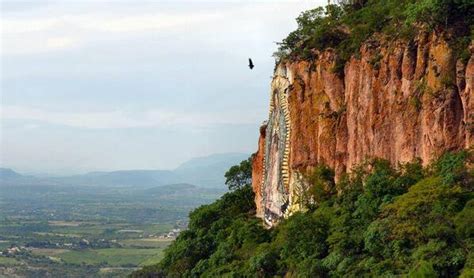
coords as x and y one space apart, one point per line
321 186
422 269
302 237
265 261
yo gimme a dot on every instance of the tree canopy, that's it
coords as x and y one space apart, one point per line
346 25
406 221
240 175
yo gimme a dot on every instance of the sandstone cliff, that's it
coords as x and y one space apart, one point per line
398 101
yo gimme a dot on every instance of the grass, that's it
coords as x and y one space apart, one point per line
82 230
4 261
64 223
50 252
113 256
98 228
146 242
56 234
4 244
153 228
152 260
115 270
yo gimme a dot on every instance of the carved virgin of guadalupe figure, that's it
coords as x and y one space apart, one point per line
274 196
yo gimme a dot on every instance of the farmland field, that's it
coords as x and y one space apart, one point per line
8 261
80 232
112 256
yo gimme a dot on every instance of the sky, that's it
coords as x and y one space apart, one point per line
112 85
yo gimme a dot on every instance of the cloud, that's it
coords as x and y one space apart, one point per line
20 25
104 23
95 84
61 42
36 35
122 119
140 23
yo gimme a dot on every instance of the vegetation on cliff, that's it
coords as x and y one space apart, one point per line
346 26
410 220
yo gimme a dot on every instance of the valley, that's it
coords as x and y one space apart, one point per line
91 231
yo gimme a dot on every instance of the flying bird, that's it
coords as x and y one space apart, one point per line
251 64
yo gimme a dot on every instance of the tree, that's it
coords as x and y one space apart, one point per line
355 3
240 175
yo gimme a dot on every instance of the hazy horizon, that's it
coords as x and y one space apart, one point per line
98 86
58 174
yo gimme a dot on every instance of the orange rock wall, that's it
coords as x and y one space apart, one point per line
398 101
257 170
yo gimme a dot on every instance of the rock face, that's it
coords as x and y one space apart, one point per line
398 101
258 170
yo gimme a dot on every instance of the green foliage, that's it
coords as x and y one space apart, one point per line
384 222
423 270
451 167
415 101
464 221
265 260
239 175
317 29
298 243
214 232
375 61
437 12
461 47
322 186
346 26
423 11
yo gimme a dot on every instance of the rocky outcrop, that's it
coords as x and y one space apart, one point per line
258 170
398 101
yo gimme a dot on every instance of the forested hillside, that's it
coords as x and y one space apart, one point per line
411 220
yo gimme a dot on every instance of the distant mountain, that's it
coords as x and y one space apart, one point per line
202 171
221 160
10 177
209 170
177 188
6 173
142 178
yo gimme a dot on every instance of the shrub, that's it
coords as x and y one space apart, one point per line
422 269
321 186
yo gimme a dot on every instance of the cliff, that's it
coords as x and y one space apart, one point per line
398 101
